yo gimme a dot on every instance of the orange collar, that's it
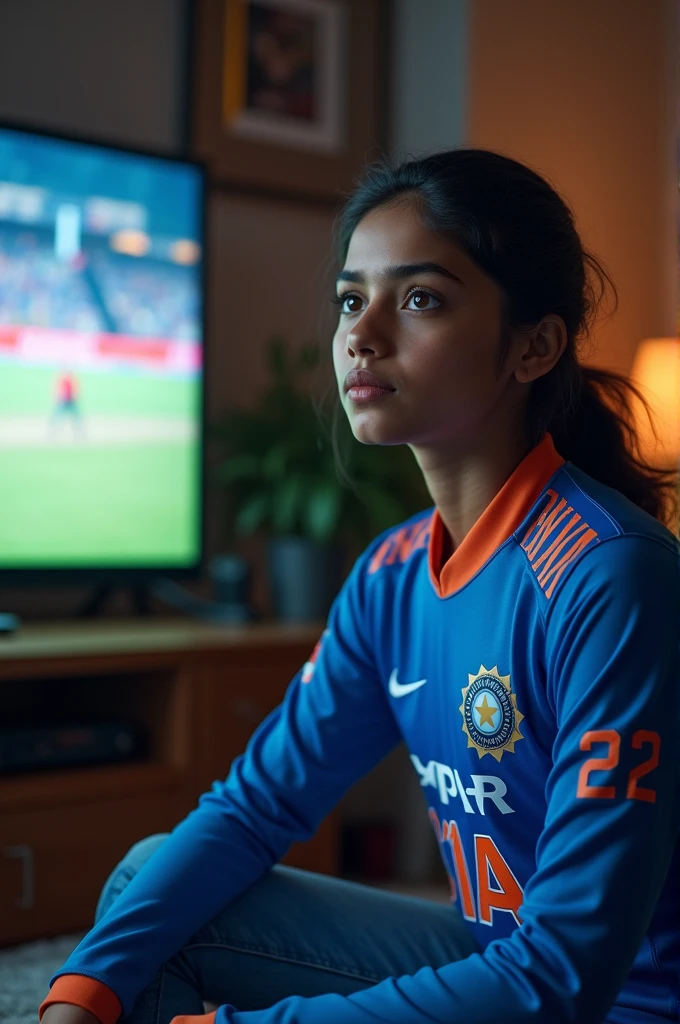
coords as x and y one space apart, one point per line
498 521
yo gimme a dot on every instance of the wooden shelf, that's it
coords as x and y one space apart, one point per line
127 639
104 782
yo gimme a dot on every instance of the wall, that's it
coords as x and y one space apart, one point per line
114 69
585 93
429 57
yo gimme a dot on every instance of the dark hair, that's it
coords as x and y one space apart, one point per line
520 231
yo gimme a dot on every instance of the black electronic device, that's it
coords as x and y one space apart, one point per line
26 749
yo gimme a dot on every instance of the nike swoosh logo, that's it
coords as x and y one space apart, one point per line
401 689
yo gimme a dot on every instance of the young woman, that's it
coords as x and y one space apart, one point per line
521 636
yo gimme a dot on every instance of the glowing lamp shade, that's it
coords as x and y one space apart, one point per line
656 371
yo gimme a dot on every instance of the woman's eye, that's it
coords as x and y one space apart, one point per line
349 303
423 300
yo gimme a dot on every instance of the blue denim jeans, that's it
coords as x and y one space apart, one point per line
293 932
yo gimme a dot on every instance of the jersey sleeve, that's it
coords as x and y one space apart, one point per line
612 661
333 725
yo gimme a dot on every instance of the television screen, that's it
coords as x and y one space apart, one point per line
101 330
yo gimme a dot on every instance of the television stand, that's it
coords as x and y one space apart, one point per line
197 691
93 606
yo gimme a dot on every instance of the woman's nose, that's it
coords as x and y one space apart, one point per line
368 333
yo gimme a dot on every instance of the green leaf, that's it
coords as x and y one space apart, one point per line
252 514
276 461
322 512
287 503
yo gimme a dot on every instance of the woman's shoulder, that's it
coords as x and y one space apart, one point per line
398 543
623 515
581 526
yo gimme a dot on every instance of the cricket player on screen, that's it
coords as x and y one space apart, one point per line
66 402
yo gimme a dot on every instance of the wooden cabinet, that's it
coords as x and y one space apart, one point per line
56 860
197 692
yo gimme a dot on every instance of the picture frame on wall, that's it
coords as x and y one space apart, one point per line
288 94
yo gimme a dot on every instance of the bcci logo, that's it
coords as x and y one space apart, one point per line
490 716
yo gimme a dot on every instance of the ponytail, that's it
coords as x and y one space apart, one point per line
589 413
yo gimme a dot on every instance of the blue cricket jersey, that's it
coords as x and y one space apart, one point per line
535 679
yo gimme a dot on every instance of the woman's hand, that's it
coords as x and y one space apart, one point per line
67 1013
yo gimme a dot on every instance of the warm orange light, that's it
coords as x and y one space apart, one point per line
131 243
185 251
656 371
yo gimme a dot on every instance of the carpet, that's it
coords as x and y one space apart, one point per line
25 973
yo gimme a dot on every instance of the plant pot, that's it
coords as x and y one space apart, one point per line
305 577
231 579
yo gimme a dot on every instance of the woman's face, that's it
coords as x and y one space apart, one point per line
431 332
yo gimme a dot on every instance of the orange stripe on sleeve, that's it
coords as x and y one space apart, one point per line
88 993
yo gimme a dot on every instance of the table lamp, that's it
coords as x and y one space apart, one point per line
656 372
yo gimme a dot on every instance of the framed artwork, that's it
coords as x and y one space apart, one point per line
288 94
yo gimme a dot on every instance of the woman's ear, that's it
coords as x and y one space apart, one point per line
543 347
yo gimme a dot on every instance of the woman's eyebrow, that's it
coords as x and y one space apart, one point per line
397 272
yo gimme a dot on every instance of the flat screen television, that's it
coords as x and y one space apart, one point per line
101 361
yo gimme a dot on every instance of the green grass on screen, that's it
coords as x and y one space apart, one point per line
79 502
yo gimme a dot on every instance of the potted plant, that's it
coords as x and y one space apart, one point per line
278 462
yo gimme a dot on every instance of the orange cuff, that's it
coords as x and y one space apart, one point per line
88 993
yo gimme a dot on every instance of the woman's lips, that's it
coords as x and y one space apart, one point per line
367 394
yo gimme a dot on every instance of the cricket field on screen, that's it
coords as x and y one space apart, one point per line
111 479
